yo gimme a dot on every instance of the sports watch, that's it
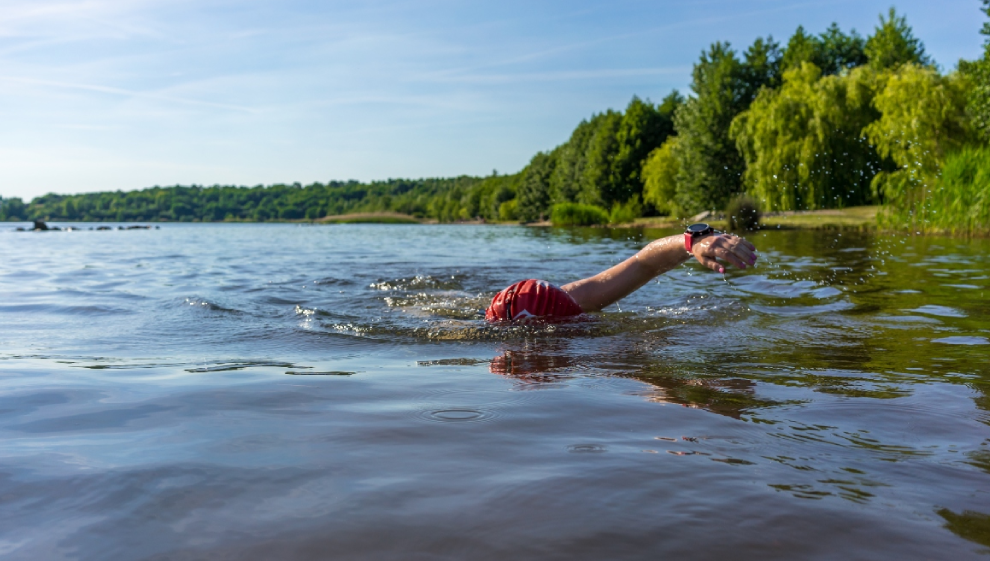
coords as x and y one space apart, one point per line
694 233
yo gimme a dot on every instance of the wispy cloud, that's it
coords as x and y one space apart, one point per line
126 93
559 76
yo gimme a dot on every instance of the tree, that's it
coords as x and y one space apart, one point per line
12 209
922 119
660 178
534 188
801 48
839 52
893 44
978 73
803 144
565 183
832 51
762 66
644 127
597 181
710 167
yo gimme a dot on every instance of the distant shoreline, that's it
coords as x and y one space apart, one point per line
863 219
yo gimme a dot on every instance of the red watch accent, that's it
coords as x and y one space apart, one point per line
696 231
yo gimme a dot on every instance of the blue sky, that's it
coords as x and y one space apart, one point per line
126 94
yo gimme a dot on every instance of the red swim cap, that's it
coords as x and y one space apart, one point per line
532 299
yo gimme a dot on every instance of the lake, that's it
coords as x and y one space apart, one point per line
281 391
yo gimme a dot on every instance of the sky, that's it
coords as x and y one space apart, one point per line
102 95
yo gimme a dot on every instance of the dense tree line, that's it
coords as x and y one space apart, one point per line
824 121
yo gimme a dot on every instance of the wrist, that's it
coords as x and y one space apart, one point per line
695 233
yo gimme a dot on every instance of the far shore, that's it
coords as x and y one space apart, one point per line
862 218
854 218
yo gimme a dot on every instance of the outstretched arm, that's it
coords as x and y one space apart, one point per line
660 256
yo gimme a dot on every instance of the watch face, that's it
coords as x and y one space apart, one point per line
698 228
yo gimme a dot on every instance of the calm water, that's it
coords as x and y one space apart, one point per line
300 392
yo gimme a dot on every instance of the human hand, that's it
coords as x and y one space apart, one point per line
728 247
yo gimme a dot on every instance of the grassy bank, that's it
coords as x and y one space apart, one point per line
370 218
854 218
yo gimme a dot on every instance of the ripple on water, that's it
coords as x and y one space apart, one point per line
962 340
458 415
838 306
941 311
587 448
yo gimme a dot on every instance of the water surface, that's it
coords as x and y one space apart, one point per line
299 392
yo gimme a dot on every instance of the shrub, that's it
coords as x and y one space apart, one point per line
625 213
574 214
507 211
659 175
961 200
743 212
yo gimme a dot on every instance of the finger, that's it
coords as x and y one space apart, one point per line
711 264
727 255
744 253
744 242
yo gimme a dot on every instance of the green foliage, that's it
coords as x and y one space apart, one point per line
922 118
576 214
803 144
978 73
566 181
373 218
743 212
644 127
660 178
603 146
534 188
709 166
893 44
961 199
832 52
438 199
624 213
601 163
978 96
508 211
12 209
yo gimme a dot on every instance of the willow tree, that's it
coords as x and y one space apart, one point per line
803 143
923 118
978 72
659 174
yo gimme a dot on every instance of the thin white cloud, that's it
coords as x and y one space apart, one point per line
561 76
126 93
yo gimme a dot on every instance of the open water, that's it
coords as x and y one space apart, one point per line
332 392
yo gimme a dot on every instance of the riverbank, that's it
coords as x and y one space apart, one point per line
853 218
370 218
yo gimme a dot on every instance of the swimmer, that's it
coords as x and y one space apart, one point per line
536 299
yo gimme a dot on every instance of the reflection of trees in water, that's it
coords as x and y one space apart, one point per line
970 525
552 363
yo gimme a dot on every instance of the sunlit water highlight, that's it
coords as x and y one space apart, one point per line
298 392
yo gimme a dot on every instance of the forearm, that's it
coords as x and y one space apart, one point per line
611 285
